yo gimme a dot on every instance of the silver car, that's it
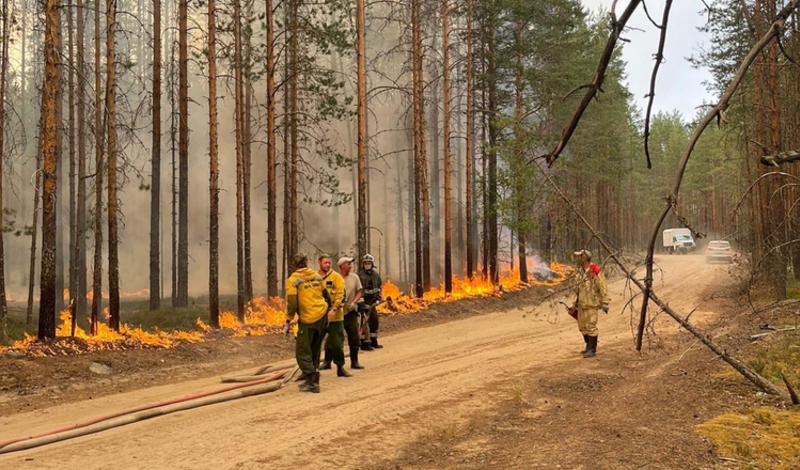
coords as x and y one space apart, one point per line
719 250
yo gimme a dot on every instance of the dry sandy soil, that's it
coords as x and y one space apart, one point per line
502 390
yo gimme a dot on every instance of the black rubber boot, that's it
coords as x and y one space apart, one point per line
315 382
366 346
308 383
340 372
592 347
375 344
354 364
586 344
326 365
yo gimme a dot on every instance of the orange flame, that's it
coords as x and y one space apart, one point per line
263 316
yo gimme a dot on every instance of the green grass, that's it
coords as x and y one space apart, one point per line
761 437
779 354
793 288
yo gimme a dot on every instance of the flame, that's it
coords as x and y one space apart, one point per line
464 288
265 316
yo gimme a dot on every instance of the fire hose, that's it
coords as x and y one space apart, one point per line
257 380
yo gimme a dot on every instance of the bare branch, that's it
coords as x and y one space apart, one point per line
652 95
617 26
776 160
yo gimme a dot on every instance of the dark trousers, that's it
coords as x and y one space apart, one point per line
309 342
334 344
373 323
352 322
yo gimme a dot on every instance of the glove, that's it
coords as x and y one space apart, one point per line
605 308
287 327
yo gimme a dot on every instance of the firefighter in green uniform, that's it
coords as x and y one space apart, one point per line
591 297
371 296
307 297
334 344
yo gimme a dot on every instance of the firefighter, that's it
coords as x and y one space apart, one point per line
371 296
307 297
352 318
591 297
334 345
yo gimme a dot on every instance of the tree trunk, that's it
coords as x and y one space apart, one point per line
239 125
80 252
73 224
272 207
183 156
491 210
97 275
47 296
419 142
363 247
3 71
520 189
34 232
470 148
60 170
213 268
155 186
294 116
448 254
111 119
174 185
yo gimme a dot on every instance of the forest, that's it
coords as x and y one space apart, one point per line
138 140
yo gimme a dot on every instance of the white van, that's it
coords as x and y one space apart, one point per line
678 240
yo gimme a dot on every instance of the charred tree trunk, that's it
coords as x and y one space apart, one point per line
34 226
213 268
97 274
363 247
60 170
470 148
491 200
448 254
111 120
155 186
294 117
47 296
3 71
520 189
247 132
272 207
182 299
419 143
80 249
239 125
73 225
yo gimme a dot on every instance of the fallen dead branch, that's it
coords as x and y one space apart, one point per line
761 335
659 59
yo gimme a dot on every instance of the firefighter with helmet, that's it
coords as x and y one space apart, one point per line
371 296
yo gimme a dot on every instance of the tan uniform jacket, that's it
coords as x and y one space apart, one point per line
591 290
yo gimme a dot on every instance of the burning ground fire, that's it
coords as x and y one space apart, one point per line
266 316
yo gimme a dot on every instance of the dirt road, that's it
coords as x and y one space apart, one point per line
421 379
